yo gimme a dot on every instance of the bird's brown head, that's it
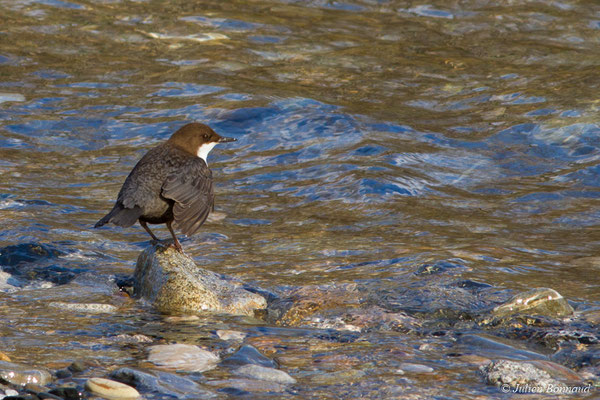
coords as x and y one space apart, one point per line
197 139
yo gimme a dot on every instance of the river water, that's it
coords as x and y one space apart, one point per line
374 138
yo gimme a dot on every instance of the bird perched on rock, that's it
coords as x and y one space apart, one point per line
171 183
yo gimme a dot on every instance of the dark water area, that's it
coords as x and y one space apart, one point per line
375 140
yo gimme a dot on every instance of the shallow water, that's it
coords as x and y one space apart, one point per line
373 137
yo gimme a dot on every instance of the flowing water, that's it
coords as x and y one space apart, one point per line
374 137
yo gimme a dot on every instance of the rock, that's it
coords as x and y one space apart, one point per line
224 334
161 384
172 282
18 374
297 307
91 308
248 355
264 374
77 366
521 374
11 392
67 393
414 368
494 347
182 357
111 390
540 301
63 373
248 385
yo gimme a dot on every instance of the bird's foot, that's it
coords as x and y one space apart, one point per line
177 246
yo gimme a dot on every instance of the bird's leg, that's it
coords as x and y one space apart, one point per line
145 226
176 243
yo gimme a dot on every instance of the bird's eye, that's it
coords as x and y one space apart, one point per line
206 136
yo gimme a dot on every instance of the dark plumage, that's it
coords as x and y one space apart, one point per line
171 183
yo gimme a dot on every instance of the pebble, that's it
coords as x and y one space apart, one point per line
111 390
11 392
183 357
21 375
264 374
416 368
248 355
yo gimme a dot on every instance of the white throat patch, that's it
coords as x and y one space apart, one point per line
205 149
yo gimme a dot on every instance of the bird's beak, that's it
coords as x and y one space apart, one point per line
226 139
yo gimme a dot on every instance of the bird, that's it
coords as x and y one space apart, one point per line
170 183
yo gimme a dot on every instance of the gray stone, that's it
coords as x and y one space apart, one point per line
540 374
161 384
18 374
183 357
264 374
172 282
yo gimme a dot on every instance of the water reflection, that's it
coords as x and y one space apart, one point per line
373 138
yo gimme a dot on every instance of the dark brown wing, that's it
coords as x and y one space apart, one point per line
191 187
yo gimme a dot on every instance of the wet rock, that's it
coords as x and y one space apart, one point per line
230 335
495 347
90 308
18 374
67 393
299 305
248 355
37 261
111 390
539 374
248 385
77 366
183 357
172 282
63 373
161 384
414 368
540 301
264 374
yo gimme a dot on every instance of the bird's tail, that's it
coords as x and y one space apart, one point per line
121 216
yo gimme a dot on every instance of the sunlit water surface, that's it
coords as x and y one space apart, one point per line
373 137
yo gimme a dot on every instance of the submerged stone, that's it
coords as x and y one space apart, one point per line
173 282
248 355
264 374
540 301
19 374
161 384
183 357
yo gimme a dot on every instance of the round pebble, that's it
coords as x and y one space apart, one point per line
111 389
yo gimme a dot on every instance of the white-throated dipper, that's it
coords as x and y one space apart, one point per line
172 182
